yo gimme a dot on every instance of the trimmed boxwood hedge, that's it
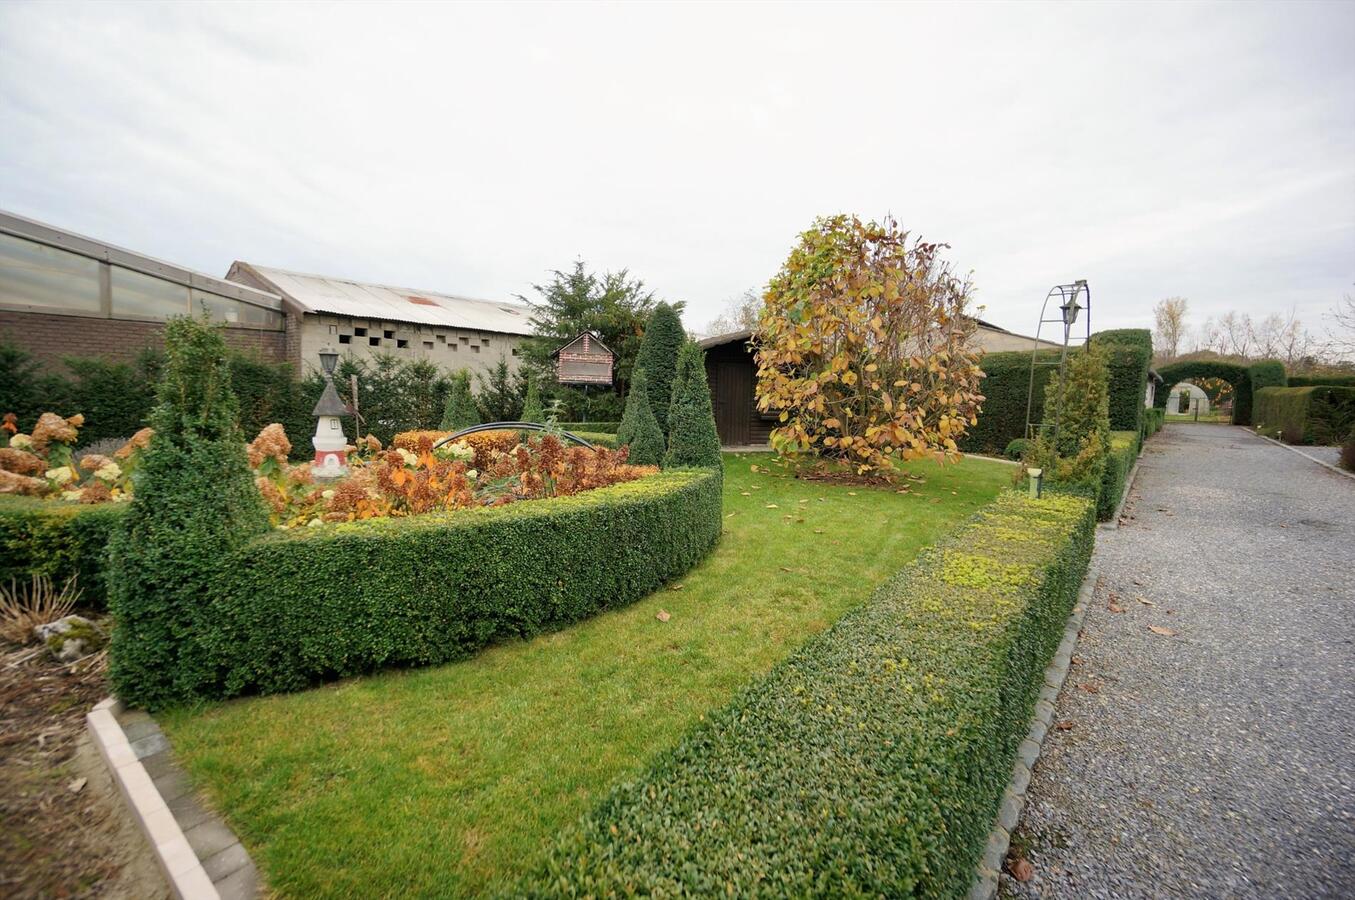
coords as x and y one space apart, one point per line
57 539
1129 352
311 604
1323 414
1124 449
872 761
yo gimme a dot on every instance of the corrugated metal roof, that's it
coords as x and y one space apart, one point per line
361 300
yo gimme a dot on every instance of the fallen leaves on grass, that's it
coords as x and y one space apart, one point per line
772 506
1162 630
663 615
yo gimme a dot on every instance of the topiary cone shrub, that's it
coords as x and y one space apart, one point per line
195 503
692 440
532 410
639 428
658 356
461 411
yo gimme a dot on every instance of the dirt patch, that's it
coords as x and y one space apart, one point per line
63 829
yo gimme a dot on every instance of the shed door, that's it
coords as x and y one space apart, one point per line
733 401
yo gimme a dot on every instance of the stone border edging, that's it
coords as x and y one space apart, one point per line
184 873
1014 797
1321 462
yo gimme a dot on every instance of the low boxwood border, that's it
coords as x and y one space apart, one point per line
57 539
872 761
309 605
1124 449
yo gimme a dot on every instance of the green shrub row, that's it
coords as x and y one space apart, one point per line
1321 381
302 606
593 427
59 540
598 438
872 761
1306 415
1245 379
1124 449
1129 353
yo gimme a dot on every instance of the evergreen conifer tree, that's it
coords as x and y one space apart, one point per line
531 407
658 356
692 438
460 411
639 429
195 502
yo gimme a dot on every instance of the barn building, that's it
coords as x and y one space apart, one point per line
361 319
732 375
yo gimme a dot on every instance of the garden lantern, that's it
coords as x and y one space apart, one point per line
331 446
1070 306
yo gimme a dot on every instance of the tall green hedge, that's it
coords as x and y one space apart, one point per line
872 761
1153 420
1322 414
306 605
1005 387
59 540
1129 353
1245 379
1321 381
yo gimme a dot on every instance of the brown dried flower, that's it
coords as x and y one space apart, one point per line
139 441
271 443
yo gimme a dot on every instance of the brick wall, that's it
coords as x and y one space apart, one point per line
49 338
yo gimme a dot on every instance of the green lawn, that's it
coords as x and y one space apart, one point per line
452 780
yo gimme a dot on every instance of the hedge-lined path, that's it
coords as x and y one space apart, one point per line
1216 760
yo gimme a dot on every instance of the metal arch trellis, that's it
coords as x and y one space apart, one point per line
510 426
1069 297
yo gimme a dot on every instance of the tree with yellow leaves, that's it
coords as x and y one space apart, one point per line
863 348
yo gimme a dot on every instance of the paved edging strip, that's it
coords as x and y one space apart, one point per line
1014 797
1321 462
185 874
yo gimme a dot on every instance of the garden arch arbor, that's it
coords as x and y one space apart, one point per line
1238 376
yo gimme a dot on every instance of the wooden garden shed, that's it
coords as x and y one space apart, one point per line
732 375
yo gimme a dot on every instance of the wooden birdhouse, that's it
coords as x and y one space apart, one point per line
584 360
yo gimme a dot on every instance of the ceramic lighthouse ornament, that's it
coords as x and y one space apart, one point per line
331 446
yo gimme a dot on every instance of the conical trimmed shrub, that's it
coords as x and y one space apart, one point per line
531 406
692 438
639 429
195 502
658 356
461 411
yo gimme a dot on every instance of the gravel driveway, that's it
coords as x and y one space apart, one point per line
1218 759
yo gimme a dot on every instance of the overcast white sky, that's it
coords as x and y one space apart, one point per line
1193 149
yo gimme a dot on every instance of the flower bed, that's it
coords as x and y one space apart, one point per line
871 762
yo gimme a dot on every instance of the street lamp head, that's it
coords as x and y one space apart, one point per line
328 360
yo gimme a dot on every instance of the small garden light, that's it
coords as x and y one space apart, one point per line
328 360
1036 483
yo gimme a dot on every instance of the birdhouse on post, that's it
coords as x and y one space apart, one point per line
584 360
331 446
